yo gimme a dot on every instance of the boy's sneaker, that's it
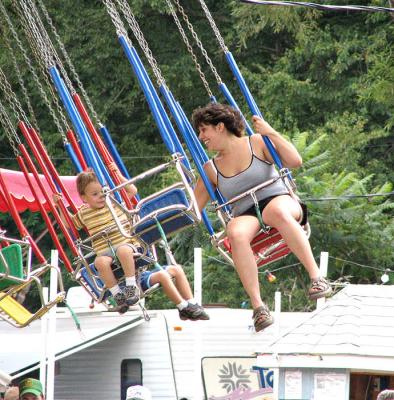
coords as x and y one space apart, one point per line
121 304
319 288
132 294
193 312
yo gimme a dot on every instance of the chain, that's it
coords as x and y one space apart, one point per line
8 129
19 76
69 62
214 26
198 41
12 99
116 20
34 34
49 45
189 48
31 68
131 20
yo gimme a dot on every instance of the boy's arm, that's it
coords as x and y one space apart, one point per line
56 198
130 188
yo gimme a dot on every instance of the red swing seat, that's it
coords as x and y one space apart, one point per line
267 247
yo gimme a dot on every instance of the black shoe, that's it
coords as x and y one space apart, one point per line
132 294
121 304
193 312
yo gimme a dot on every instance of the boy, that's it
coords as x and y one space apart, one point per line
95 216
179 293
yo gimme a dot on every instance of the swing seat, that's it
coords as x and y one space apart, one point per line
92 282
11 273
19 316
267 247
11 309
171 209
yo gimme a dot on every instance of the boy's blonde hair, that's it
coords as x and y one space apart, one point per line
83 180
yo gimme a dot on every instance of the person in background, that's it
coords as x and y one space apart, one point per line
31 389
12 393
386 395
137 392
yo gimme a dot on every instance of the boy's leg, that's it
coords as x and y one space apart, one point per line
125 255
181 281
168 286
103 266
192 311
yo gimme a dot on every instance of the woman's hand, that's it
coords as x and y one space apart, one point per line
263 127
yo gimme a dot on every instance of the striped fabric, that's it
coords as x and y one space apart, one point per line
98 220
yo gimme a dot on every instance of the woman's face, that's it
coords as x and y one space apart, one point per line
210 135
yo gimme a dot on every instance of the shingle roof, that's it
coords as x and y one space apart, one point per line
359 320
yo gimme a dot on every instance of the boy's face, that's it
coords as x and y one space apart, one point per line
94 195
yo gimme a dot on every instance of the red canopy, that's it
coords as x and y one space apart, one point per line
19 189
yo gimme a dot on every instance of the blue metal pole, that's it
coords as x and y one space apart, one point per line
252 105
149 97
80 128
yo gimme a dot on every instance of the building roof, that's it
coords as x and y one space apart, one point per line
358 321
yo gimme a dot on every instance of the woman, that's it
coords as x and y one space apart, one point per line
240 164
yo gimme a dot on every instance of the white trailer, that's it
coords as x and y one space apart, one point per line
173 358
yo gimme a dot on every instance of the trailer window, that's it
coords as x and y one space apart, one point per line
130 374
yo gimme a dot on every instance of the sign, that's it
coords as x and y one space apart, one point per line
236 378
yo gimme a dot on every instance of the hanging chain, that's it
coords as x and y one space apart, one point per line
189 48
214 27
131 20
69 62
34 33
49 45
19 76
37 80
198 41
12 99
8 129
116 20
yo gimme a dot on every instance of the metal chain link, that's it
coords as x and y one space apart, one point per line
36 78
116 20
34 33
69 62
12 99
19 75
49 45
131 20
189 48
8 129
214 26
198 41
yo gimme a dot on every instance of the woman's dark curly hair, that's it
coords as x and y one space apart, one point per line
214 113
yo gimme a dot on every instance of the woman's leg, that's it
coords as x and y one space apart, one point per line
241 231
283 213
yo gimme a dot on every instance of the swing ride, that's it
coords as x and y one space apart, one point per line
88 143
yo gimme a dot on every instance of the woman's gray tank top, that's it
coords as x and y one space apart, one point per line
258 172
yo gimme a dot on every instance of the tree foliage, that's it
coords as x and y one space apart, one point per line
324 79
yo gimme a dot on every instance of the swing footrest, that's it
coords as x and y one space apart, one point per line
171 209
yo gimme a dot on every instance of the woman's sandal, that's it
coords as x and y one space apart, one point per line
319 288
262 318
